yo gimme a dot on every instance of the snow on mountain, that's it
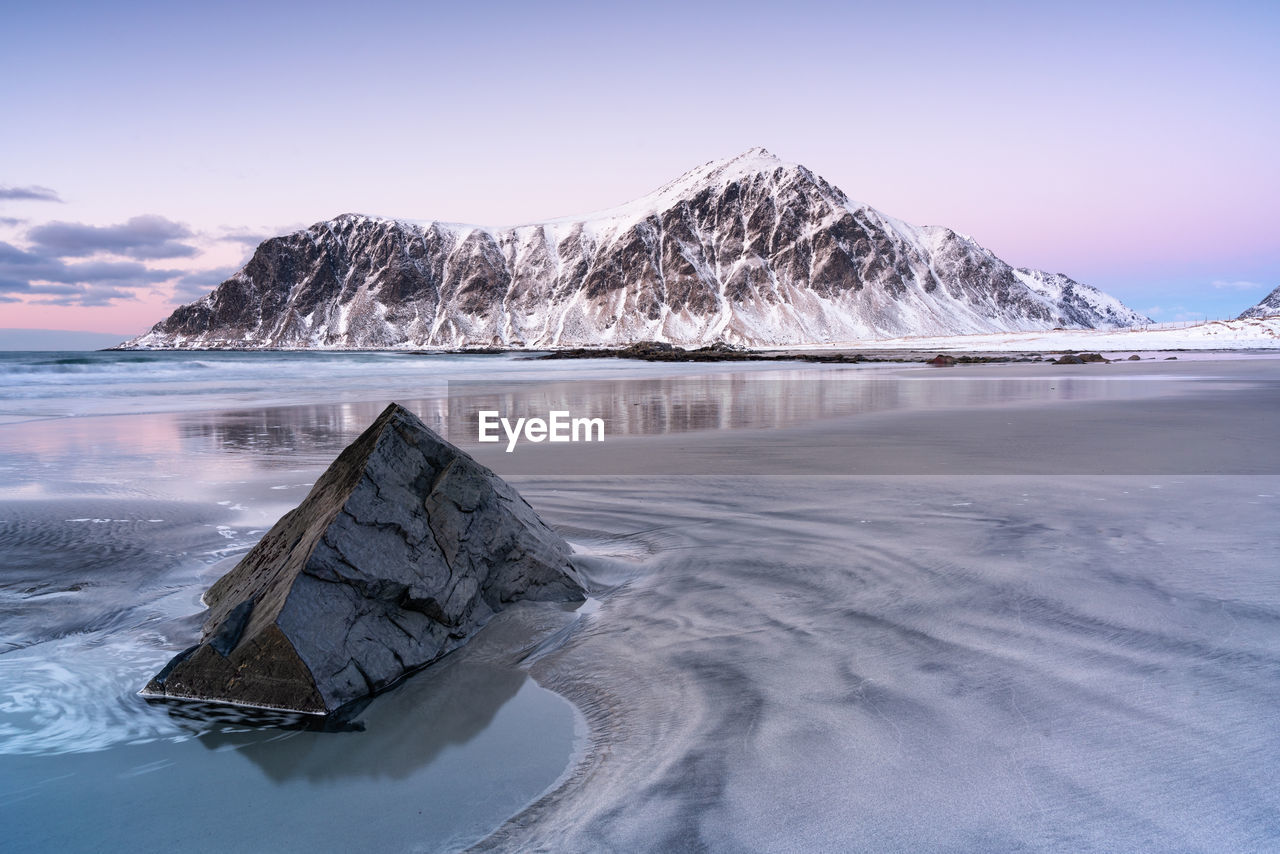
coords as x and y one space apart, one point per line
749 250
1269 306
1244 334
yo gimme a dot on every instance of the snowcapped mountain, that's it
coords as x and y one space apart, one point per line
1268 307
749 250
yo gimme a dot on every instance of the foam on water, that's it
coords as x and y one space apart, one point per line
73 695
50 385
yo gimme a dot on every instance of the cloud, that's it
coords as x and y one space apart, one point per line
11 220
195 285
87 295
71 263
142 237
31 193
245 236
1223 285
49 279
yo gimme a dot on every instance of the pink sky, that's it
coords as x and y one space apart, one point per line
1131 149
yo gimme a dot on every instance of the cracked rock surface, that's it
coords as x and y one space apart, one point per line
402 550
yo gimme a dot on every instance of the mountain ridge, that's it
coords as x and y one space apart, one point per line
1268 306
748 250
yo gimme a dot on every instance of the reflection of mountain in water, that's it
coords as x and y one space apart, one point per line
281 433
658 406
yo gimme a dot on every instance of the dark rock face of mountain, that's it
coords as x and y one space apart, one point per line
401 551
749 251
1269 306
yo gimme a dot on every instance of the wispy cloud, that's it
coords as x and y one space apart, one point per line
250 238
75 263
46 278
1224 285
33 192
142 237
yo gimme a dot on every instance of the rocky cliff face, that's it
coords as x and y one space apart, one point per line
749 250
1268 307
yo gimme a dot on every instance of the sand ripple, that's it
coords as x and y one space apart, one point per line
845 663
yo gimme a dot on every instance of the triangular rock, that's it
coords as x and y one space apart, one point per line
404 547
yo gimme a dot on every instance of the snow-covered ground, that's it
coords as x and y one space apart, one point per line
1248 334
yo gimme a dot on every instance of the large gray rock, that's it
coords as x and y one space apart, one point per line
402 550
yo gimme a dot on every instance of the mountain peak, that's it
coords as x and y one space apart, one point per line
750 162
753 163
756 152
749 249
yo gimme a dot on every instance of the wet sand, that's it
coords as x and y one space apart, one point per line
1123 418
999 607
111 528
987 663
1072 642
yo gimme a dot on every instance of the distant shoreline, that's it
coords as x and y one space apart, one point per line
1253 335
654 352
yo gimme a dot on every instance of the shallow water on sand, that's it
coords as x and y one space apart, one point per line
907 664
776 657
100 586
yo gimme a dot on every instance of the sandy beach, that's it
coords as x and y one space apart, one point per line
990 607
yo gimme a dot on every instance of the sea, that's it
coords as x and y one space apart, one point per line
880 607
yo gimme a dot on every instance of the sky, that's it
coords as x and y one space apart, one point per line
148 147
